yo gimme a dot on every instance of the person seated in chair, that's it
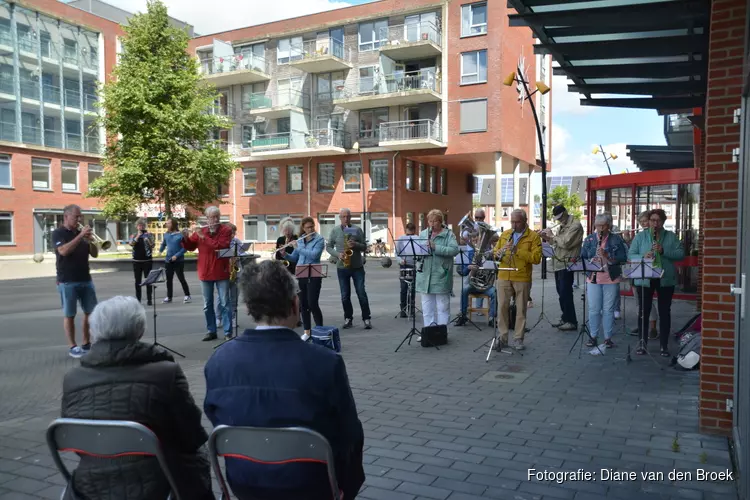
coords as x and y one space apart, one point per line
467 289
270 377
122 378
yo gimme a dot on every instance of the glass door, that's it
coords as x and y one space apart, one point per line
337 42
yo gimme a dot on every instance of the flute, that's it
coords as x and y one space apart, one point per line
295 242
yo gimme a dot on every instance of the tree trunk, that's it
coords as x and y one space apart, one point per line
167 206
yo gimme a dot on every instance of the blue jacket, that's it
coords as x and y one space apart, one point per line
615 248
173 243
307 252
271 378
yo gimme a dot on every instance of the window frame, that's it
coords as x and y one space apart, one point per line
374 133
332 166
359 177
246 171
469 8
245 220
381 163
486 120
49 174
9 159
422 179
93 167
444 181
477 54
289 179
266 177
410 178
10 217
375 43
290 57
66 165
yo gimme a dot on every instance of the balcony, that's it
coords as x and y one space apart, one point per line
277 104
321 142
411 41
7 131
400 89
223 109
321 56
29 47
678 130
412 134
5 38
6 84
236 69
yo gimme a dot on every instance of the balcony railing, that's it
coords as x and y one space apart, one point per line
29 89
678 123
319 138
5 37
397 82
72 98
89 102
92 144
422 31
263 100
328 137
31 135
7 131
53 138
73 141
410 130
51 94
315 49
6 83
223 109
86 57
226 64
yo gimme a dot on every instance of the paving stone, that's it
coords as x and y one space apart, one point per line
423 490
460 486
414 477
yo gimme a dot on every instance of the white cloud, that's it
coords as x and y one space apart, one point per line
223 15
567 162
564 101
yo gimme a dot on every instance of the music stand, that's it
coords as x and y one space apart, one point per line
642 269
418 248
495 342
233 252
584 266
463 259
154 277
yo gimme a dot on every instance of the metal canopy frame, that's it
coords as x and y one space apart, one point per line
657 49
648 158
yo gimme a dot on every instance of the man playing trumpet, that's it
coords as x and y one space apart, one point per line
143 249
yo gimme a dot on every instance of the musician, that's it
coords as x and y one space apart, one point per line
654 316
407 266
285 240
567 245
174 260
143 248
342 238
213 272
234 263
521 248
435 278
72 250
665 249
466 271
603 288
307 250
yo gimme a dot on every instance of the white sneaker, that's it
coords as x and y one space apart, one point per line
218 323
187 300
75 352
617 314
166 300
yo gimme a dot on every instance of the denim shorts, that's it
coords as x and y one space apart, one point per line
71 293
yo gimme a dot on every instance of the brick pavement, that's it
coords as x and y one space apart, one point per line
438 424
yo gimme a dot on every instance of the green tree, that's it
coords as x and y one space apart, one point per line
156 116
561 196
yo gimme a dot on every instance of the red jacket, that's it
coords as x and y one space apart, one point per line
210 267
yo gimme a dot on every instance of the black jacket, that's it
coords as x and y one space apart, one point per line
120 380
280 242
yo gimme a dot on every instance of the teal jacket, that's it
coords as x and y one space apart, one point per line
437 269
673 252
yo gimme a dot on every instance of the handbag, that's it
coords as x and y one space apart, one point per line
326 336
434 335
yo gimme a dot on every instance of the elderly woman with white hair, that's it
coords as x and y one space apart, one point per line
122 378
285 241
603 287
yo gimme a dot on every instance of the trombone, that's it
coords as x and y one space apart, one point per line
96 240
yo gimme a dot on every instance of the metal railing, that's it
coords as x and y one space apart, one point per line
425 79
296 139
328 137
53 139
237 62
31 135
89 102
409 130
5 37
29 89
72 98
263 100
92 144
422 31
7 131
73 141
224 109
53 50
6 83
323 47
51 93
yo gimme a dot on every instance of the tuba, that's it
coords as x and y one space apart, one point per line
481 279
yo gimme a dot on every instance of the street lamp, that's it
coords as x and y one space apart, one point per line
362 186
542 88
600 149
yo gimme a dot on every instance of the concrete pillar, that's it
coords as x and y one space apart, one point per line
498 190
516 183
530 199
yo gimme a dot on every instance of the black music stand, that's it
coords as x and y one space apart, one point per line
584 266
495 342
154 277
307 271
642 269
404 249
233 252
418 248
463 259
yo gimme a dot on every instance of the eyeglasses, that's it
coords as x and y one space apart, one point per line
480 218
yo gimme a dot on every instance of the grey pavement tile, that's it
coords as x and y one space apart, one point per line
382 482
396 464
25 485
15 495
494 481
414 477
460 486
380 494
431 460
455 474
424 491
547 491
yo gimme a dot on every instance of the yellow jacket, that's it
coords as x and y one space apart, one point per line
527 253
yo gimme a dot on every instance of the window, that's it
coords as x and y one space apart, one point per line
474 67
252 132
367 82
326 222
352 175
250 182
378 175
326 177
69 176
294 179
474 116
271 180
369 125
372 35
409 176
253 96
222 190
272 227
410 217
40 174
289 49
251 227
444 181
422 178
95 171
379 227
433 180
330 85
474 19
6 180
422 226
283 125
6 228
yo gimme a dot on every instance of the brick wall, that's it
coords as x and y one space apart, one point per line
720 192
699 155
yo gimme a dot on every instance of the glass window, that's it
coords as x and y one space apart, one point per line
222 189
272 227
410 217
326 177
294 179
444 181
409 176
40 174
422 226
378 175
369 125
289 49
422 178
69 176
474 67
6 228
6 179
474 19
367 79
326 222
250 183
253 96
379 227
352 171
251 227
433 180
271 180
330 85
372 35
474 116
283 125
95 171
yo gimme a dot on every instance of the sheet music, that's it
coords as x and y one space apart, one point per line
462 258
412 247
547 250
227 253
591 265
636 270
311 271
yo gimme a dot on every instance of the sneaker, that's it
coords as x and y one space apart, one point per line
591 343
347 324
228 336
609 344
210 336
403 314
558 323
462 321
664 353
491 323
368 325
530 304
617 314
86 348
567 327
149 303
518 344
187 300
75 352
218 324
166 301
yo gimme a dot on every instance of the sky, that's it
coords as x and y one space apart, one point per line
576 129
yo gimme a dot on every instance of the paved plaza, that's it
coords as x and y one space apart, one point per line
439 424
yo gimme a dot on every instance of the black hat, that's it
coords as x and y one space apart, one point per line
558 212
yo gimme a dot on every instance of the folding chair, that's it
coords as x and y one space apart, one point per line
105 439
271 446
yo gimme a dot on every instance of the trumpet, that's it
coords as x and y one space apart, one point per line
96 240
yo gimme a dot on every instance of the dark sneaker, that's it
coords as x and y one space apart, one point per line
568 327
664 353
403 314
462 321
347 324
210 336
75 352
609 344
491 323
149 303
86 348
591 343
368 325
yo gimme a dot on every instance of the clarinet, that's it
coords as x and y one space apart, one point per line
598 247
421 260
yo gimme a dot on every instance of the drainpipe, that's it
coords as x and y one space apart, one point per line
393 208
309 188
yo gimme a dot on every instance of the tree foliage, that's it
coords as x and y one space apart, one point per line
561 196
156 114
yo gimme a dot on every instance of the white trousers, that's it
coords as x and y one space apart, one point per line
436 308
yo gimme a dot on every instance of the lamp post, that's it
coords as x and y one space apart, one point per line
518 78
362 187
600 149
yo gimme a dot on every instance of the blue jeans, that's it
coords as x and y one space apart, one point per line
602 303
207 287
358 276
491 293
71 293
564 282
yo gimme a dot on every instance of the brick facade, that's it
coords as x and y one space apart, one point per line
719 185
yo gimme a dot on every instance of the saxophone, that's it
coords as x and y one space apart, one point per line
348 252
233 272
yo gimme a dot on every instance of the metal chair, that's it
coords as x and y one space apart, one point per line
105 439
271 446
